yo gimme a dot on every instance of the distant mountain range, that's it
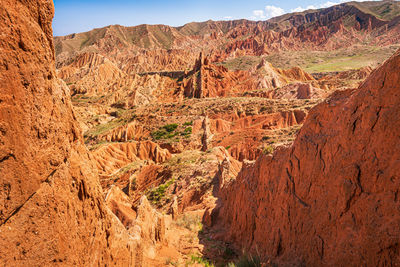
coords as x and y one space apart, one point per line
368 23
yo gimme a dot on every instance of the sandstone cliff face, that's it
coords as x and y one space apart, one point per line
331 198
51 206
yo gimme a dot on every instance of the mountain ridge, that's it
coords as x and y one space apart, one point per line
280 24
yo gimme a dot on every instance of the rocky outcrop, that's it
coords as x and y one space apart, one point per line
112 157
119 203
299 91
93 75
244 137
51 206
210 80
331 198
131 131
359 74
271 77
144 223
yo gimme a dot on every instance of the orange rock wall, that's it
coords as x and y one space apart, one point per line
332 198
51 206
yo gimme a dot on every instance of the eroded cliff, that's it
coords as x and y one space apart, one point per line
332 197
52 210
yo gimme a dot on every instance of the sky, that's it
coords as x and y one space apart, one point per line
73 16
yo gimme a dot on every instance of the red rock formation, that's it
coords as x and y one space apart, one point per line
148 177
271 77
131 131
119 203
299 91
51 206
112 157
332 198
359 74
209 80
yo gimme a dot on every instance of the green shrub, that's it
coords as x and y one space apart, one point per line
172 135
188 131
170 127
200 260
268 150
157 135
188 123
158 193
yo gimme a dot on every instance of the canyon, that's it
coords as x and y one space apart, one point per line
220 143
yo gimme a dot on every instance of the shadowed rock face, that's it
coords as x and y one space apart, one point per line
331 198
51 206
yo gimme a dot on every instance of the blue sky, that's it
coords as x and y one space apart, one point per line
74 16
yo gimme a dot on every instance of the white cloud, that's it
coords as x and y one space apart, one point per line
228 17
328 4
297 9
268 12
301 9
273 11
259 14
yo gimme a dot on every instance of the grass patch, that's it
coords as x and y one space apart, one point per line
268 150
337 60
200 260
170 127
247 261
191 222
103 128
157 194
123 117
170 131
171 262
187 132
99 144
242 63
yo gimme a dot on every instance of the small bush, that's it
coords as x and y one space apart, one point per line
158 193
188 123
170 127
268 150
187 131
200 260
171 135
119 104
190 222
157 135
